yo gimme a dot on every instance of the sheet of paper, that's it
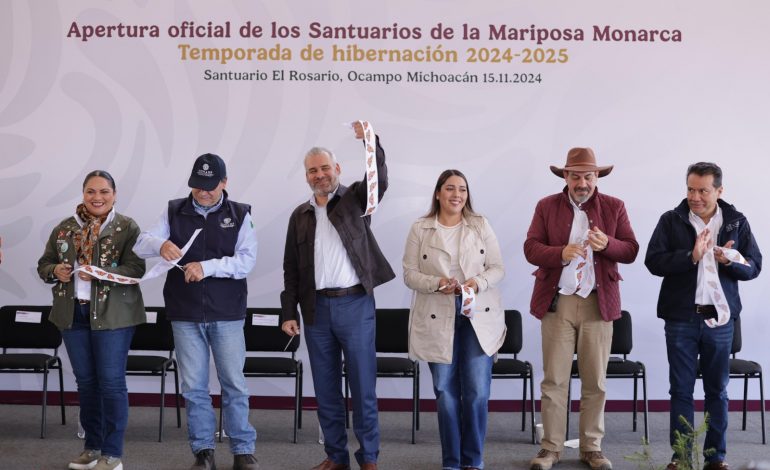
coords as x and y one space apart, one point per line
152 316
264 320
28 317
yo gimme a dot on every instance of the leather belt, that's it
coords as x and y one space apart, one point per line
708 311
341 291
83 302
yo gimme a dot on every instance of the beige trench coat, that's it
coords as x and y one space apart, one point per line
432 315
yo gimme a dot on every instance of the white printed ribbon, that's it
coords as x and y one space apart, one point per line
714 287
370 156
156 270
583 277
468 301
103 275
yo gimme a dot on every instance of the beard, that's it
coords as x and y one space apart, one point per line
324 187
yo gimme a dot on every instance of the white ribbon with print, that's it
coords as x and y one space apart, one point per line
734 256
154 272
714 287
468 301
583 277
370 156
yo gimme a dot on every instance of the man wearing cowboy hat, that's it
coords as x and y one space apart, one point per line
576 239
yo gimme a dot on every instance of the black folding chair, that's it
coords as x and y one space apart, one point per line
156 336
514 368
27 327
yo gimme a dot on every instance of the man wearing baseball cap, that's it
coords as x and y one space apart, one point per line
576 239
206 303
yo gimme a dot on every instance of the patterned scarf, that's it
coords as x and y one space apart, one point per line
88 235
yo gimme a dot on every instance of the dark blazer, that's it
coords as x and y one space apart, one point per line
548 234
344 210
669 255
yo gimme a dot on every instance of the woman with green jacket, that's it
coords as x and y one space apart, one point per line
97 317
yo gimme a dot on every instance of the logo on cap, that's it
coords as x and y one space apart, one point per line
205 166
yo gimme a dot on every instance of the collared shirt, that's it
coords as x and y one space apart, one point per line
331 262
237 266
714 226
577 234
83 288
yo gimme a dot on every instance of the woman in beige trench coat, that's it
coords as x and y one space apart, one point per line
448 250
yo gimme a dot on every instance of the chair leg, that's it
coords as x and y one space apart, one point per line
347 402
762 406
569 407
221 419
45 401
532 401
745 400
297 400
417 378
636 396
176 390
61 391
162 403
524 403
415 397
301 395
645 409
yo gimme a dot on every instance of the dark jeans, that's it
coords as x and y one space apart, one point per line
462 397
345 325
690 344
98 361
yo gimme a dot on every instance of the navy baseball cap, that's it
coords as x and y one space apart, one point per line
207 172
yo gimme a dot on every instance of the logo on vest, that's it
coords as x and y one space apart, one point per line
227 222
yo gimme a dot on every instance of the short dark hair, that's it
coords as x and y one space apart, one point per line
445 175
101 174
705 169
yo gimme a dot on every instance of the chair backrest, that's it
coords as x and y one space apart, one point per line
266 335
23 330
154 335
622 334
737 337
513 337
392 330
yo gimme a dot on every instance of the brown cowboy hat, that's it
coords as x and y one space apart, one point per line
581 159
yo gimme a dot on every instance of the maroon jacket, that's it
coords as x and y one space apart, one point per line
548 234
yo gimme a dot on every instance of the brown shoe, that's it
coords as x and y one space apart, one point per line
329 465
715 465
596 460
544 460
369 466
674 465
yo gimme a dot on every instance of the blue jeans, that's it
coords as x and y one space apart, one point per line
98 361
225 340
462 396
345 325
685 341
